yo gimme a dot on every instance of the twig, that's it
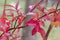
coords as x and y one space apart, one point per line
18 24
17 28
26 26
12 29
48 14
36 6
47 34
57 5
14 26
38 19
50 27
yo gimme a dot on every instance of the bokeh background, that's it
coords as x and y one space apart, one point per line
55 32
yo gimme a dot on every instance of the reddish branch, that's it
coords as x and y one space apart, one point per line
48 14
49 29
12 29
17 28
17 24
26 26
14 26
47 34
36 5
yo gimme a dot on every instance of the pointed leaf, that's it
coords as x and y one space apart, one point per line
37 26
42 32
34 31
4 13
17 4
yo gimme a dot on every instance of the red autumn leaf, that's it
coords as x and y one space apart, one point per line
36 15
5 36
34 31
17 4
20 20
1 29
13 19
57 17
56 20
51 9
4 13
5 24
37 27
48 17
41 8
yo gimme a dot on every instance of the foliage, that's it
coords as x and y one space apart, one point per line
37 20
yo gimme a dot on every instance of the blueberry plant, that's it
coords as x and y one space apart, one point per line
8 31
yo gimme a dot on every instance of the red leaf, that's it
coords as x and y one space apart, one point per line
34 31
57 17
42 32
36 15
20 19
42 23
5 36
17 4
37 27
48 17
5 24
41 8
4 14
1 29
